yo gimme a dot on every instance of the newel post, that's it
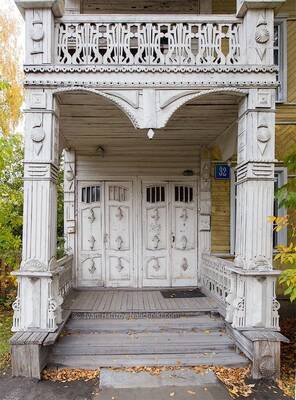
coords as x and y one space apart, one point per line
257 30
39 28
37 304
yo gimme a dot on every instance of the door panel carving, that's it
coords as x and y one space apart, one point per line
184 223
119 233
170 248
155 235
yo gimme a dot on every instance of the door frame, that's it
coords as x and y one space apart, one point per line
137 194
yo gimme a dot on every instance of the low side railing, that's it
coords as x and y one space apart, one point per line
148 40
217 277
64 275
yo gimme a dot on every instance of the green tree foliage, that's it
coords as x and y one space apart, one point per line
11 208
286 255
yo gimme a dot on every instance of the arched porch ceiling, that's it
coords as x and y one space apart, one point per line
88 121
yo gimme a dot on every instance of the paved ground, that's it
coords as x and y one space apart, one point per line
27 389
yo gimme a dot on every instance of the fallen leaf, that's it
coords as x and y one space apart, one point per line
172 394
191 392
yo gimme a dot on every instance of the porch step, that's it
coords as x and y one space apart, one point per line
226 358
192 324
187 341
142 343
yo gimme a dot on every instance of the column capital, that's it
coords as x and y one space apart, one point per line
242 6
57 6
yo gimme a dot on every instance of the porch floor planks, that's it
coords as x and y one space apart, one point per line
126 300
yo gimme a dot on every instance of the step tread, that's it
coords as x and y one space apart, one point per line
117 339
226 358
144 325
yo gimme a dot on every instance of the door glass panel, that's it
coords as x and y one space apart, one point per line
91 194
155 194
183 194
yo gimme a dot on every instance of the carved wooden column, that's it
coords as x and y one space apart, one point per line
204 216
37 305
255 308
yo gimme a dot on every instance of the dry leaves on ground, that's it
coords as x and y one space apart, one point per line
69 375
288 358
149 370
235 380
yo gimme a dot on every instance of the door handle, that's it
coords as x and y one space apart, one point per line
173 239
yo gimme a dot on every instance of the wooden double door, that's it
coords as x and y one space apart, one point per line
137 235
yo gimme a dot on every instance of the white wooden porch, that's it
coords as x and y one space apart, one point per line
134 301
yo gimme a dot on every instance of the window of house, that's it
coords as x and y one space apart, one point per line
280 57
280 179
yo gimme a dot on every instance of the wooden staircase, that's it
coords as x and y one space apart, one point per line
89 341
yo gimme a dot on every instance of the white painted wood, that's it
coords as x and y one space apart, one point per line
156 234
169 238
91 255
184 234
120 229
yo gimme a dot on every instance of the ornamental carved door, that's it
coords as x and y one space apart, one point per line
119 230
90 235
184 234
169 234
155 235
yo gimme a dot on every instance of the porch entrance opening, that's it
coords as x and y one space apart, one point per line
137 233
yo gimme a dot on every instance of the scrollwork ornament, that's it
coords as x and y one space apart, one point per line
38 136
184 264
263 137
37 31
262 34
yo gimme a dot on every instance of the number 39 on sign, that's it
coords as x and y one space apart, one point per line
222 171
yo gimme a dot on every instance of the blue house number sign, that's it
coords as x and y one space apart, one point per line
222 171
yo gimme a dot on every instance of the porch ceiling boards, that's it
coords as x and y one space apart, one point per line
88 120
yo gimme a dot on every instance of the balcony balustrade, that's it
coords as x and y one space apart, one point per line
148 40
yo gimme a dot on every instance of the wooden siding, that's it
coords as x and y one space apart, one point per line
220 219
224 7
150 159
140 7
291 48
285 140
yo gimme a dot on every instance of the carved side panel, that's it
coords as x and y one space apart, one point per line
69 201
204 216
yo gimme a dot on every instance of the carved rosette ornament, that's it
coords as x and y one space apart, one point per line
69 175
184 264
38 136
262 37
119 265
92 240
92 268
91 216
263 137
156 265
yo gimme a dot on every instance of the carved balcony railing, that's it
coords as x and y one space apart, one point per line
148 40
